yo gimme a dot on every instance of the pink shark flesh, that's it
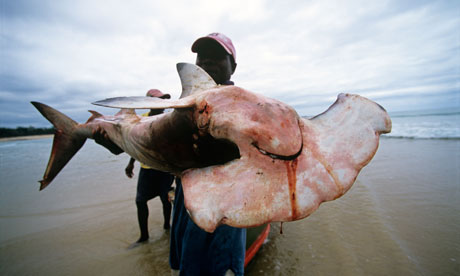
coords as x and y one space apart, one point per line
258 188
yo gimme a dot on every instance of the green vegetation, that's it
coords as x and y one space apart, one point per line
24 131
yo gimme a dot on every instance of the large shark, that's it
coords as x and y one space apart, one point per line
244 159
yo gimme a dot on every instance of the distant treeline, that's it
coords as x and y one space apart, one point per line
24 131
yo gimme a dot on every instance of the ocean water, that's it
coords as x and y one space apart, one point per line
426 124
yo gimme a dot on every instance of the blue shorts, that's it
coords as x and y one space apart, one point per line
152 183
194 251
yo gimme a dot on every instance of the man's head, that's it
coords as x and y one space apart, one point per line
216 55
158 94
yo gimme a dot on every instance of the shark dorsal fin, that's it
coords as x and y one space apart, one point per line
193 79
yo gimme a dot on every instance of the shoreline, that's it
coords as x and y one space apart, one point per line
29 137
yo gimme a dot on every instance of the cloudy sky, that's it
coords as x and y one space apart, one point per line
403 54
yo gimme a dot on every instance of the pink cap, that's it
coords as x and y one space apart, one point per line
157 93
222 39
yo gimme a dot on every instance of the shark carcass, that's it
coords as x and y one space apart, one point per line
244 159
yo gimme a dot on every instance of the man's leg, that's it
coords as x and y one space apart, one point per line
142 217
166 210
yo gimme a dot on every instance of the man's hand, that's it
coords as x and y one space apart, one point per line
129 170
102 138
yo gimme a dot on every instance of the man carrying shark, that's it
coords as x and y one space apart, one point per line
194 251
222 140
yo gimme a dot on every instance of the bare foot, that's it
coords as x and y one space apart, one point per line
139 242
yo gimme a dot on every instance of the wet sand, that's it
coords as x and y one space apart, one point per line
401 217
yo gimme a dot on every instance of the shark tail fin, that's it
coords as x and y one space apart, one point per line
67 141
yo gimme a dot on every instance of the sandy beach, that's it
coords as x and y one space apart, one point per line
401 217
29 137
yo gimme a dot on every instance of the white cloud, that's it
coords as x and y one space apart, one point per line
303 53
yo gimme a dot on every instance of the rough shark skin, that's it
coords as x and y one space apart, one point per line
244 159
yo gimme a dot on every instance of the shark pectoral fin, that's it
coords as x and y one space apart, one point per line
145 103
193 79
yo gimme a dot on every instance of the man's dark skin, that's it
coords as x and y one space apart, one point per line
216 62
212 58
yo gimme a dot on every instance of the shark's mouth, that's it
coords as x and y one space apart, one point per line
212 151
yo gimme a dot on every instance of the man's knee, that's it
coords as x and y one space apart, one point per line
141 203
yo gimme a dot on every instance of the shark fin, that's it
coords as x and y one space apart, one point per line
94 115
193 79
142 102
67 141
